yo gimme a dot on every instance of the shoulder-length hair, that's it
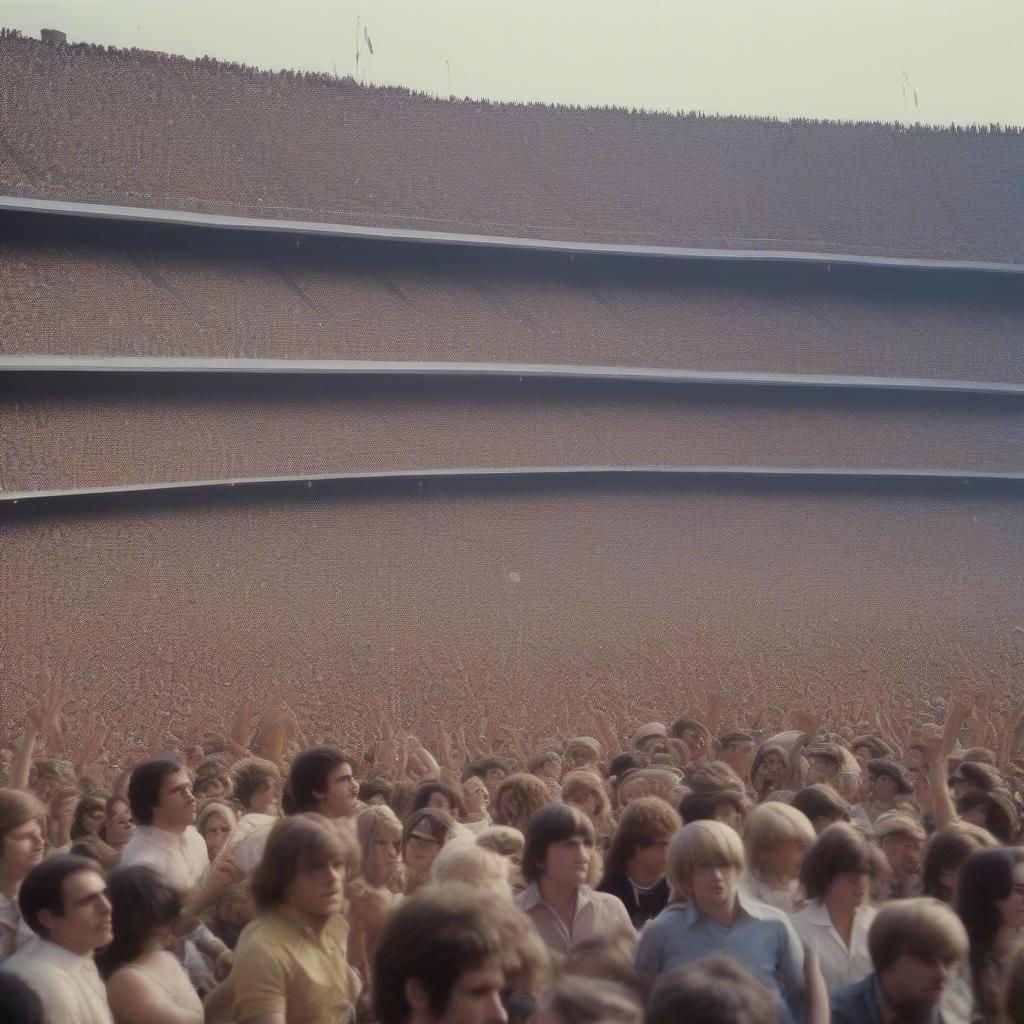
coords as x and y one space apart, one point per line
840 848
646 820
771 824
947 850
88 803
985 880
581 783
249 775
296 844
141 904
701 844
425 790
370 823
552 824
527 795
17 808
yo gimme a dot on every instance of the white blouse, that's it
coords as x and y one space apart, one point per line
839 965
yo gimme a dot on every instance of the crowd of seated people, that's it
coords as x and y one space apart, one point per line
680 872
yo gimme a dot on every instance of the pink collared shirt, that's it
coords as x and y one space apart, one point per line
596 913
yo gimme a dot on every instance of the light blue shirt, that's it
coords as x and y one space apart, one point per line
761 938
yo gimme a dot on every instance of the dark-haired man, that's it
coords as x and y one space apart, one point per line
64 901
322 780
164 808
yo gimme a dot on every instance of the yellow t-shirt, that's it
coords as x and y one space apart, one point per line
282 968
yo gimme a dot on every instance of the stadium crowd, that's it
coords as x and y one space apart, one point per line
689 870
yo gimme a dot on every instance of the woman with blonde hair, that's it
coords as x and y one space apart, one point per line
376 891
775 837
509 843
215 823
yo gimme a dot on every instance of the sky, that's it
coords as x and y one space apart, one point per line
927 61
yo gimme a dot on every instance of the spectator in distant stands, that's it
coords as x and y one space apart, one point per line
738 750
491 771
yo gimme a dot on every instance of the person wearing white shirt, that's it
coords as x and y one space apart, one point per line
64 901
164 808
836 875
166 839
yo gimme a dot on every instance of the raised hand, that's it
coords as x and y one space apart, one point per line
807 721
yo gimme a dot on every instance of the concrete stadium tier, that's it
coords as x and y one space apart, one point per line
96 430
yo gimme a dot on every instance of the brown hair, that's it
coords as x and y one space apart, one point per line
578 1000
582 783
821 800
645 820
438 823
295 844
17 808
839 848
251 774
552 824
425 790
947 850
1013 992
717 990
528 792
440 932
918 927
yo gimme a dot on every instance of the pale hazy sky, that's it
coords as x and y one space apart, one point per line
933 61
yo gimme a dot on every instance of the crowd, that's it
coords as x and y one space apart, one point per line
690 870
